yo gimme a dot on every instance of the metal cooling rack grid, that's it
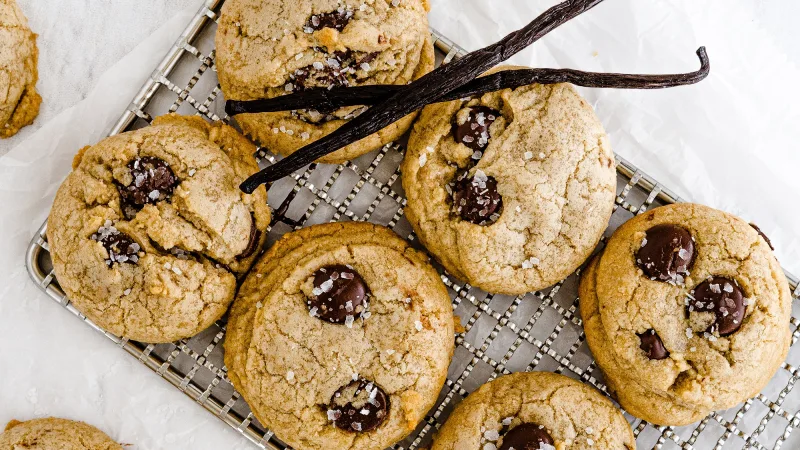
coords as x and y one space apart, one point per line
502 334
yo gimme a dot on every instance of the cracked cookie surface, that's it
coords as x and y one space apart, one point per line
267 48
550 171
150 231
53 433
19 70
703 367
573 415
288 361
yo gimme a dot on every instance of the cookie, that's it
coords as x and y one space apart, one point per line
535 410
686 312
267 48
511 191
340 337
150 231
52 433
19 59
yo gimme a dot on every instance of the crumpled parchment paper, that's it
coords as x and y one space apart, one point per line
729 142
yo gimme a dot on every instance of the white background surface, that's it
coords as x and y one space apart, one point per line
728 142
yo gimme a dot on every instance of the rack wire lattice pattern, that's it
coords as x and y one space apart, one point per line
502 334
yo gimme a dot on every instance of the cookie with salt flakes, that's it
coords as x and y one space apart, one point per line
535 411
341 337
267 48
510 191
687 312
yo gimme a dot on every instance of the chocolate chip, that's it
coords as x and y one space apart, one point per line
755 227
667 253
652 345
476 198
722 297
339 295
474 132
121 248
153 182
360 406
526 436
252 244
336 19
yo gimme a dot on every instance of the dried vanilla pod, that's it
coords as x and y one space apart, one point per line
331 99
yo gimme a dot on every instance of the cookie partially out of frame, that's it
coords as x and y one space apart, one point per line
511 191
535 411
267 48
54 434
150 231
19 59
687 312
340 338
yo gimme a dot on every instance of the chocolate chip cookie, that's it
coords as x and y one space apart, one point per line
52 433
686 311
19 59
511 191
267 48
340 337
150 231
535 411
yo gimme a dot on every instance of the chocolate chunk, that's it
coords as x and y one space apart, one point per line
725 299
755 227
153 182
474 132
339 295
336 19
476 198
526 436
667 253
252 244
337 69
652 345
360 406
121 248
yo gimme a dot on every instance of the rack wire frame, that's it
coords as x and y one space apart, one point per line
502 334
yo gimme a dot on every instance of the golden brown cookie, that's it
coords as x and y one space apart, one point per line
19 59
267 48
150 231
686 312
54 434
511 192
340 338
535 410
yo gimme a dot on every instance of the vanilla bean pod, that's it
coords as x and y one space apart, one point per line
332 99
426 89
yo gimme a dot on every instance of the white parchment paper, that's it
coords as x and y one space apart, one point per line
728 142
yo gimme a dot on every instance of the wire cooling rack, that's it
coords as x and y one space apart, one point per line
502 334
